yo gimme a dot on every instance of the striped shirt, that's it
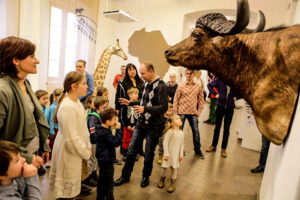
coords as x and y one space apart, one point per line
188 99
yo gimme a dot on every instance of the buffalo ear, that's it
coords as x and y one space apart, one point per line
218 41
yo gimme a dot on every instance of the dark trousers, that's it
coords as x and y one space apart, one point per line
264 152
227 114
151 135
105 187
193 121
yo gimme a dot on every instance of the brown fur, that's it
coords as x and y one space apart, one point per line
264 68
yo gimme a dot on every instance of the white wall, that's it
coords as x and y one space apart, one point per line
168 17
34 26
9 18
282 174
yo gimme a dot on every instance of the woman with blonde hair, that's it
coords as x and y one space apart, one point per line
72 144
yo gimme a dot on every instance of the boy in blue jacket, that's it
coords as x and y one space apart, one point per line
107 141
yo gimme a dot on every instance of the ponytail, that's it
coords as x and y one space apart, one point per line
51 98
55 121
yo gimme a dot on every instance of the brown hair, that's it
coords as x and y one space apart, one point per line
101 90
82 61
100 101
56 93
10 48
148 66
6 148
40 93
89 100
108 113
72 77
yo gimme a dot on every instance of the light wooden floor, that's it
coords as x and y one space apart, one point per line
214 178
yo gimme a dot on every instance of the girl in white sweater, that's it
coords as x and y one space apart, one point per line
72 144
173 151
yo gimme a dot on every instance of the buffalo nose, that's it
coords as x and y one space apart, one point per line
167 53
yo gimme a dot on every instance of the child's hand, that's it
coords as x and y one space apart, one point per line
90 151
117 125
180 158
29 170
166 158
37 161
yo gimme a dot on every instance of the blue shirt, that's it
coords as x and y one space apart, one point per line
52 109
90 82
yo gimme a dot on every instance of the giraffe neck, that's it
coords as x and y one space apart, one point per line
101 70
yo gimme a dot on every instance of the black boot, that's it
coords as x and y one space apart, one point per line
89 182
121 181
95 176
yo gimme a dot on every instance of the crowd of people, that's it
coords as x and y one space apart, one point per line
77 135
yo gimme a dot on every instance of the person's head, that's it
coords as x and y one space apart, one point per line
172 77
56 94
89 102
123 70
102 92
100 103
147 71
80 66
11 162
130 70
169 112
17 58
108 116
74 84
189 74
172 122
133 94
42 96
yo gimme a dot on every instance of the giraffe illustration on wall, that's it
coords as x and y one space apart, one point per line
101 70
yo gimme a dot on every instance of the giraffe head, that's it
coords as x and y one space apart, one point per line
117 50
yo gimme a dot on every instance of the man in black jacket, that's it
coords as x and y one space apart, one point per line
152 105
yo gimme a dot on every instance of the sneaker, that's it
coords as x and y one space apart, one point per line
200 154
160 159
207 121
48 164
211 149
41 171
223 153
117 162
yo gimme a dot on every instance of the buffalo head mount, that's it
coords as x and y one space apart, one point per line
263 67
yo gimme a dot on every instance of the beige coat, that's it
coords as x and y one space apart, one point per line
70 148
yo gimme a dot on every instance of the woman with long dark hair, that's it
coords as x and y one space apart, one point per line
131 80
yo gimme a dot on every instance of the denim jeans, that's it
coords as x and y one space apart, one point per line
105 187
227 114
193 121
151 135
264 152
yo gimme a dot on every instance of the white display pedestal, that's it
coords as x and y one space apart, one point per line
281 179
248 132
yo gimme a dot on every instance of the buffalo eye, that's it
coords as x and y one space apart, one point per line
196 35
